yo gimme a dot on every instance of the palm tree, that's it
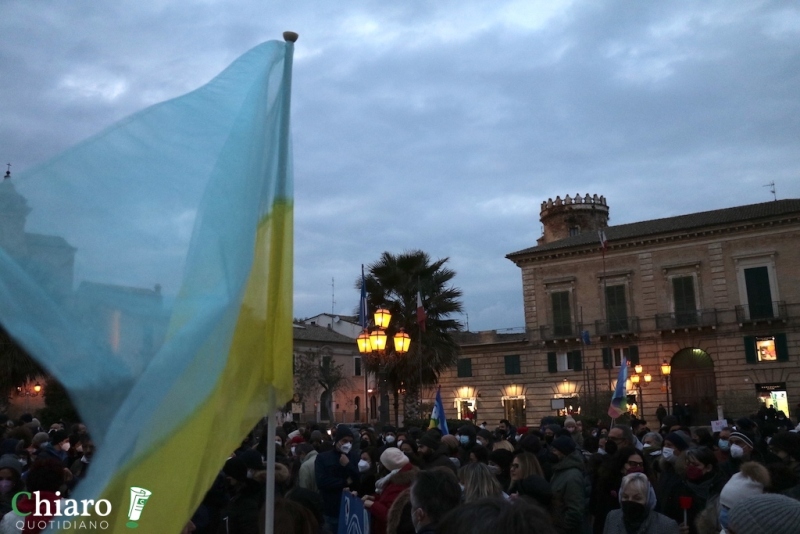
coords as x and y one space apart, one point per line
392 282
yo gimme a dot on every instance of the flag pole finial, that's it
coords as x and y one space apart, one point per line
290 36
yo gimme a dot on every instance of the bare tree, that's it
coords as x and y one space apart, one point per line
316 373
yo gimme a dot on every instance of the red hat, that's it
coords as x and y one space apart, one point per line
297 439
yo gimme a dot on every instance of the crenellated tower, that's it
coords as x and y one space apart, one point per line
570 216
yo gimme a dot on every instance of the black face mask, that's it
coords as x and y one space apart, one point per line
634 512
611 447
548 439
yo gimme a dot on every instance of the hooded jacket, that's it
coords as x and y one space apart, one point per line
568 488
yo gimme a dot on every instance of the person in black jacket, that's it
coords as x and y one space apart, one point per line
335 471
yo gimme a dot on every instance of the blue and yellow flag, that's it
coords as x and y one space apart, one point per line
149 270
438 419
619 400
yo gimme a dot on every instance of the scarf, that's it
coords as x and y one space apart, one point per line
379 484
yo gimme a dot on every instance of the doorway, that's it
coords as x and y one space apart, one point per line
694 387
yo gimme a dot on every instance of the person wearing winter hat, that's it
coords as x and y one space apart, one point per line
572 427
769 513
246 496
568 484
742 449
400 477
336 470
636 512
432 452
10 481
751 480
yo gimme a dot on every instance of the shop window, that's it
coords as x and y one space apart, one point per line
514 410
466 408
464 367
566 406
766 348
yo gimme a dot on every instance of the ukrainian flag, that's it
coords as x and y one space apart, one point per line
149 270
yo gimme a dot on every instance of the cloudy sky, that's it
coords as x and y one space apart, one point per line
442 125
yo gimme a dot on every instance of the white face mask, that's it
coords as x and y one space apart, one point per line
389 439
668 454
656 452
737 451
363 465
345 447
250 473
65 446
293 449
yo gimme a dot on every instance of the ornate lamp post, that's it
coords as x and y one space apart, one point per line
639 382
374 342
666 371
29 391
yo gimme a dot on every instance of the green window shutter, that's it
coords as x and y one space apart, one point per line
633 354
781 347
577 362
607 361
512 365
552 362
464 367
750 349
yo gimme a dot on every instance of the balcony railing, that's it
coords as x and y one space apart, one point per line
625 325
560 331
761 312
693 319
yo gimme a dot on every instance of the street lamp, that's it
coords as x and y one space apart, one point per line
28 391
666 371
374 342
637 380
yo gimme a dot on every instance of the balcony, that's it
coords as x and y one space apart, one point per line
560 331
762 312
617 327
697 319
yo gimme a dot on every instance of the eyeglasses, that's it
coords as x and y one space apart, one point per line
635 464
514 466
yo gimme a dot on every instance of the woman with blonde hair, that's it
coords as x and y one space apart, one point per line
503 445
478 482
524 465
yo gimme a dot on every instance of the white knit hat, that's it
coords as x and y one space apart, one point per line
393 458
738 488
769 513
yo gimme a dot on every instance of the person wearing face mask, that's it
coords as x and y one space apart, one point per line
389 436
80 467
10 481
336 470
58 448
466 435
742 449
673 446
368 468
750 481
605 486
636 514
572 427
722 445
700 482
306 455
400 475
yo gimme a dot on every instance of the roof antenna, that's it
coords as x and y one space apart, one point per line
333 295
771 186
8 172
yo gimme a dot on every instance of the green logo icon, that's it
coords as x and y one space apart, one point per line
139 498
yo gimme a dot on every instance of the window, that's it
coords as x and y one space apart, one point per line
758 288
512 365
759 297
562 318
612 357
564 361
357 366
766 348
683 296
464 367
574 230
616 309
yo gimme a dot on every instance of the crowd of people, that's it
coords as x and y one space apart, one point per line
564 477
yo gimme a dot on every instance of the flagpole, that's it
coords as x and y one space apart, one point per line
269 506
283 167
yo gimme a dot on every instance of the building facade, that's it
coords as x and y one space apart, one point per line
715 295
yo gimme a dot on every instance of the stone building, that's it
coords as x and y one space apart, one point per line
716 295
356 400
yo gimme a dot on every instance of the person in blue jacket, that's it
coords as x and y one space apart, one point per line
335 471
